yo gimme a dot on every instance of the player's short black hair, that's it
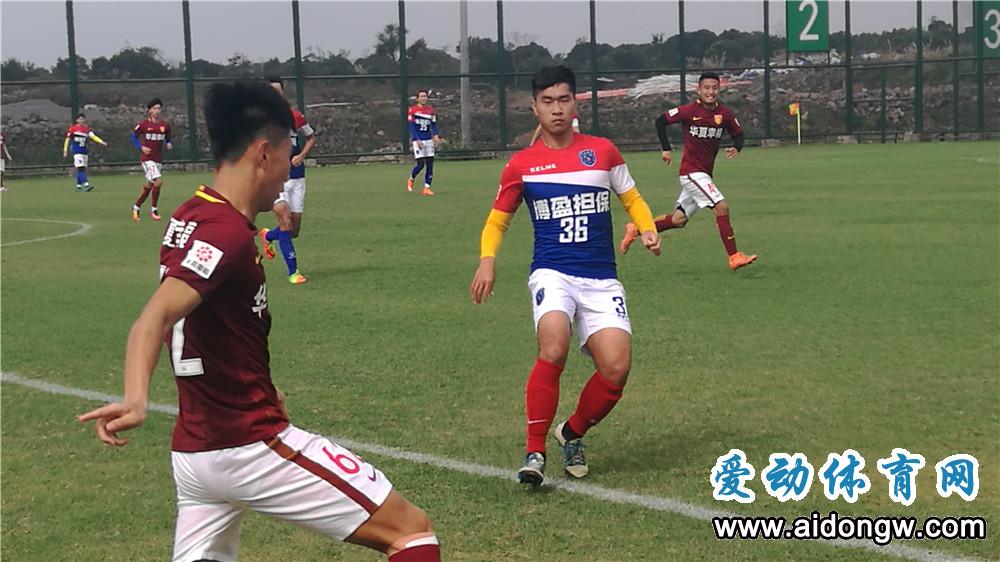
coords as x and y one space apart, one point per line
549 76
236 113
275 79
154 101
79 115
423 91
709 76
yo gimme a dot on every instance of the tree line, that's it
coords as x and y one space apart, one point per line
701 48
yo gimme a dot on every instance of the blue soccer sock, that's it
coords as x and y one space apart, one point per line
429 174
272 234
288 251
417 168
81 177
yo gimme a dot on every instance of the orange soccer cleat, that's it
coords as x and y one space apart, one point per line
631 233
409 184
267 245
739 259
427 191
135 215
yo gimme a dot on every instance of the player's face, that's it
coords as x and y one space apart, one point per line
274 171
554 107
154 112
708 91
81 120
422 98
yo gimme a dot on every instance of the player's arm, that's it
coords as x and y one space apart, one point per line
304 129
134 139
65 145
411 124
434 128
97 139
736 133
638 210
167 139
172 301
661 133
506 204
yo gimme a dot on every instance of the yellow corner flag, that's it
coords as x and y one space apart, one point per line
793 109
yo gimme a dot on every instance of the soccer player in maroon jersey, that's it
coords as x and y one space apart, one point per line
566 180
704 120
4 157
233 446
149 137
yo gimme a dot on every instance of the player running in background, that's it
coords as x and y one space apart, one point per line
566 181
423 138
704 121
77 137
291 202
233 448
4 157
149 137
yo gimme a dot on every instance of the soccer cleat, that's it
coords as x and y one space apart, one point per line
533 471
739 259
631 233
297 278
267 244
135 215
79 188
155 214
409 184
573 460
88 188
427 191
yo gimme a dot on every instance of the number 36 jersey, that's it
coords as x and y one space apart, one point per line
568 193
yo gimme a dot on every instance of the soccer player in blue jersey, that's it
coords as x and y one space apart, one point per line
291 202
566 180
77 137
423 139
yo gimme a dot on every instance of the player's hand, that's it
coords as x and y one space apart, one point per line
668 157
297 160
170 146
482 281
64 156
732 153
437 140
651 240
112 418
146 150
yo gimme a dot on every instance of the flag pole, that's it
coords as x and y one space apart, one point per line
798 125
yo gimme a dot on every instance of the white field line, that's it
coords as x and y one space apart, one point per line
593 491
84 228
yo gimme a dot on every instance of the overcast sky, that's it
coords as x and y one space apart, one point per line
36 31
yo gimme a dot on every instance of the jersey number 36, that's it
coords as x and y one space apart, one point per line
574 229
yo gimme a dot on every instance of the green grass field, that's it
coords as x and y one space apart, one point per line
870 321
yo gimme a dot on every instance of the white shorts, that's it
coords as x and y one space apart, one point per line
423 148
303 478
293 194
697 192
80 160
590 304
3 165
152 169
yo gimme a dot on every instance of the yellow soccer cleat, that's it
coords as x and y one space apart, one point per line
297 278
267 245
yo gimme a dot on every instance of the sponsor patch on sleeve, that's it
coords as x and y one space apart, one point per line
202 259
673 112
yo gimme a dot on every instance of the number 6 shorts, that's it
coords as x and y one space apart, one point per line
299 477
591 304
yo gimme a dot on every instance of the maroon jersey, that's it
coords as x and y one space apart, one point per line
219 352
153 135
703 130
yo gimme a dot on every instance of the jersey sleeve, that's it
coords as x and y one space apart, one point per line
302 125
511 188
733 125
137 130
621 179
677 115
210 253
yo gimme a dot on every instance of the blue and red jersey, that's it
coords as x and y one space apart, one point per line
422 122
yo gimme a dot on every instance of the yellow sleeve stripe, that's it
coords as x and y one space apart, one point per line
66 144
496 224
96 138
638 210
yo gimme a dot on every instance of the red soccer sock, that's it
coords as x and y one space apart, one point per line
596 401
666 223
156 196
142 196
726 233
541 399
425 553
